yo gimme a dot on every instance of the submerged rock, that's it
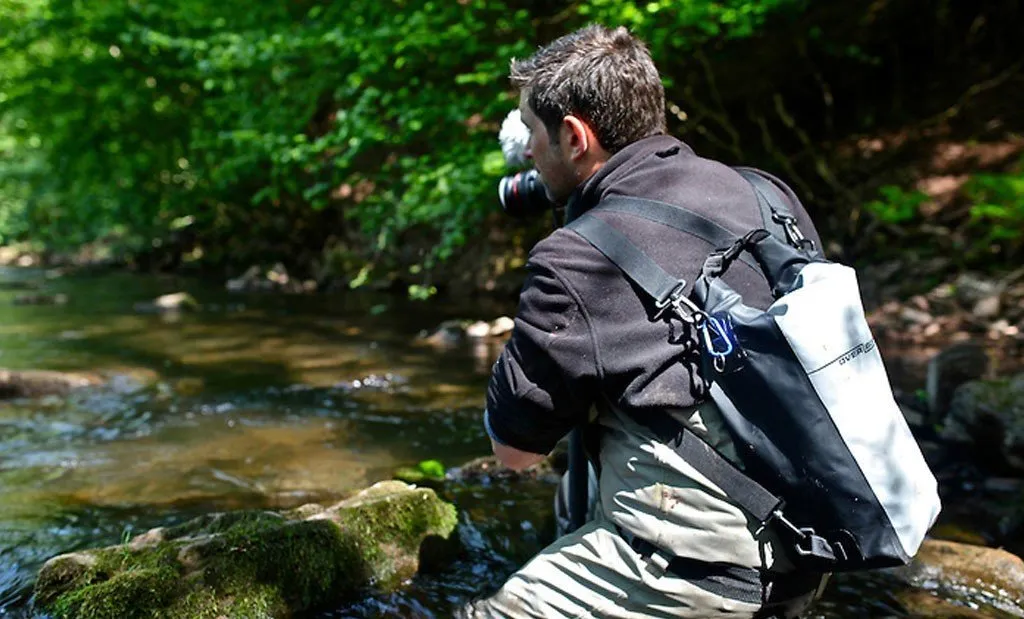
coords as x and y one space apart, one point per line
256 564
40 383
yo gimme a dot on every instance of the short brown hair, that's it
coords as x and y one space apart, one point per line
606 77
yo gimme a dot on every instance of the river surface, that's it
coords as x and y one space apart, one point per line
267 401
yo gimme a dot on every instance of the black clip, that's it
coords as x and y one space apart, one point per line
808 543
816 546
793 234
676 300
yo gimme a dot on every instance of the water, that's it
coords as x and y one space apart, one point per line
264 401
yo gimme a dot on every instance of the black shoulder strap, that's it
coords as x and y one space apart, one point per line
637 265
775 215
665 289
747 493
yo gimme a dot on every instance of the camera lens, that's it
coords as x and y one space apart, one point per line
523 194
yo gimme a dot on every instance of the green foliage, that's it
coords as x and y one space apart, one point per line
997 211
292 123
432 468
896 204
991 232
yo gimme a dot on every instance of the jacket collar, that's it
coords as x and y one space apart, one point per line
592 190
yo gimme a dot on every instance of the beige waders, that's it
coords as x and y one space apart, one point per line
711 560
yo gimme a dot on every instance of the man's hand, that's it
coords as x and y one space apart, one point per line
513 458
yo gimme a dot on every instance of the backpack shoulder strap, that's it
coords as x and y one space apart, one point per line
776 216
667 290
637 265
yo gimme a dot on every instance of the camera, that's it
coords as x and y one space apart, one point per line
521 194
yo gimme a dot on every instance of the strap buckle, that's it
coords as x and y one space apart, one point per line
809 544
682 308
793 234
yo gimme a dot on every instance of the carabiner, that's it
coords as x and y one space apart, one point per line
721 333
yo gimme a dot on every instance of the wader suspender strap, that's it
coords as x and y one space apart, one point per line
665 289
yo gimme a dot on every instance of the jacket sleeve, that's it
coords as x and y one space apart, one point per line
545 379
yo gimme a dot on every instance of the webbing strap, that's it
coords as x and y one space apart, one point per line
678 218
637 265
729 581
774 212
739 487
656 282
767 200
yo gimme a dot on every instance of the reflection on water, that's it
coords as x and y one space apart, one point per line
263 402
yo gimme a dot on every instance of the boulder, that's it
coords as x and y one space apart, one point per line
40 383
256 564
989 415
990 573
950 368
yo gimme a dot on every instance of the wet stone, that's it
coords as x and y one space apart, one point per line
260 563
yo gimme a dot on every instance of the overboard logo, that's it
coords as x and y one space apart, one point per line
856 351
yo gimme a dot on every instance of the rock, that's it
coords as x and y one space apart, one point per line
949 369
176 302
276 279
915 316
920 602
454 332
256 564
448 333
478 329
990 416
501 325
41 299
991 571
278 275
971 288
486 469
988 307
41 383
246 281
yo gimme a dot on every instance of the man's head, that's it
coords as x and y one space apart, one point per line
584 97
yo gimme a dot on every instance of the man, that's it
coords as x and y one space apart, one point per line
664 541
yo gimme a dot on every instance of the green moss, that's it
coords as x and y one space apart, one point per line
126 595
257 565
217 523
310 563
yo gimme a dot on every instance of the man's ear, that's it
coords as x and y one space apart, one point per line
578 137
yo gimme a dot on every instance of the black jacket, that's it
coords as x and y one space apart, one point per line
582 330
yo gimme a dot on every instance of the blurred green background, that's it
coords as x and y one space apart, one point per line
356 141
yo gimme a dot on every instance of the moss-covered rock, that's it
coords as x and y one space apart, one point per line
255 564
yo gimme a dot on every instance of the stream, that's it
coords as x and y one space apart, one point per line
268 401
